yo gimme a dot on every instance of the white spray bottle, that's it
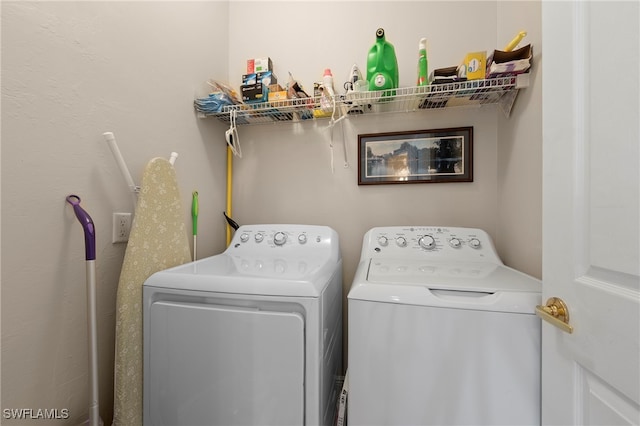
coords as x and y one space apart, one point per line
354 75
327 82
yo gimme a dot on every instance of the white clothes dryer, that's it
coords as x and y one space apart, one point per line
252 336
441 332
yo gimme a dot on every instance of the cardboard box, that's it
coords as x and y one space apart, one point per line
476 65
254 92
277 95
249 78
259 65
516 62
267 78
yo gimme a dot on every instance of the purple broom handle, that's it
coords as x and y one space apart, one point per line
87 224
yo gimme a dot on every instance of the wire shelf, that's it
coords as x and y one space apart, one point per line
500 90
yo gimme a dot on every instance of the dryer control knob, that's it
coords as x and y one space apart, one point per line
383 241
259 237
244 237
302 238
280 238
401 241
427 242
455 242
475 243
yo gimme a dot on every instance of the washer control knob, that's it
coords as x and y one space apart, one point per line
302 238
401 241
475 243
259 237
383 241
280 238
244 237
455 242
427 242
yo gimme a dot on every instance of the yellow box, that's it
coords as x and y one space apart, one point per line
476 65
277 96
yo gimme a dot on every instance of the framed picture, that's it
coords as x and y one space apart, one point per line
419 156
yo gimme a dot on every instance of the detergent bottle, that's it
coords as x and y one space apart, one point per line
382 65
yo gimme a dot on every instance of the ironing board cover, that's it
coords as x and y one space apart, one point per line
158 241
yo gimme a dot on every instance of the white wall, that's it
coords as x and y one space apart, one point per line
71 71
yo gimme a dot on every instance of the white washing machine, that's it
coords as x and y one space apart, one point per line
441 332
252 336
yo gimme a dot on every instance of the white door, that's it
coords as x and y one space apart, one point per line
591 256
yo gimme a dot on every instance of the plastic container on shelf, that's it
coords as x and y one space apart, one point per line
382 65
327 82
423 67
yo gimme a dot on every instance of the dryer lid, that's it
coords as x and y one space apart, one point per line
462 285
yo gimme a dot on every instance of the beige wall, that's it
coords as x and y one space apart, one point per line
286 168
519 228
285 174
73 70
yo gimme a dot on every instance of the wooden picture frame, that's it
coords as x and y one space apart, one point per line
417 156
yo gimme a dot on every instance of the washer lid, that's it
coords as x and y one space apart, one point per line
462 285
254 275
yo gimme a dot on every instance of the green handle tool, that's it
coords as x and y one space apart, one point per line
194 217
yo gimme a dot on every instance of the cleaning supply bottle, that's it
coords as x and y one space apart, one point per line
423 76
382 65
327 96
327 82
354 76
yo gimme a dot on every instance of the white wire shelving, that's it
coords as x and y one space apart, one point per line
501 91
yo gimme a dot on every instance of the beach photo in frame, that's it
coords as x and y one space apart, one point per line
417 156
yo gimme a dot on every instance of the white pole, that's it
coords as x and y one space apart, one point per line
111 140
94 412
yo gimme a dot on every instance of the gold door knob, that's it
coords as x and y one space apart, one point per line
556 313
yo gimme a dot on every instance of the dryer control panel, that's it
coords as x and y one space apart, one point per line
429 242
302 240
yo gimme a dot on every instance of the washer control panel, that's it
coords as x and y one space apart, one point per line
432 242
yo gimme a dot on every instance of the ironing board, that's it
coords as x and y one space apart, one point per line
158 240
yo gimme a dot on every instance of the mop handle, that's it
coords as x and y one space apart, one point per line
87 225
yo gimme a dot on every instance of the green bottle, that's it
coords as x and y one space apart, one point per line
382 65
423 76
